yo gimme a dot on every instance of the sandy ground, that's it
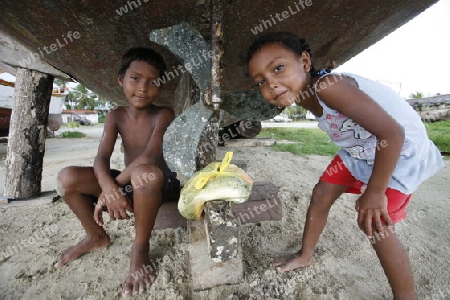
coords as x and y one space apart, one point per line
33 234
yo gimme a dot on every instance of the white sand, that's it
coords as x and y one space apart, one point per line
346 267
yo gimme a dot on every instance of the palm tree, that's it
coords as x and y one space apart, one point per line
84 98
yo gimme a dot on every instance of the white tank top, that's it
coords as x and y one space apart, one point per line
419 158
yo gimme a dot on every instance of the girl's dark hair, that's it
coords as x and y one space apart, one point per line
148 55
288 40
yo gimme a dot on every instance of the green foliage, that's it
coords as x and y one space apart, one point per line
295 112
101 118
73 125
72 134
59 82
306 141
309 140
84 98
416 95
439 133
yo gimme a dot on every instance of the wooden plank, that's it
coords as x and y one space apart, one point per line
263 190
169 217
258 211
263 204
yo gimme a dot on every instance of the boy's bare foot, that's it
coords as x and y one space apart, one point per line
141 274
292 262
87 244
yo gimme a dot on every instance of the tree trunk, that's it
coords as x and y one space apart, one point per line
26 143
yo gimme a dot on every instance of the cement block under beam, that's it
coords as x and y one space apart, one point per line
222 231
205 272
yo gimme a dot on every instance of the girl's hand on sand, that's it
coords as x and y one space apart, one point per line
371 207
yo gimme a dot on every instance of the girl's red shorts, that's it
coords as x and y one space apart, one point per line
338 173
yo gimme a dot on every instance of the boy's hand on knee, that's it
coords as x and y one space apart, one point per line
98 212
117 207
371 207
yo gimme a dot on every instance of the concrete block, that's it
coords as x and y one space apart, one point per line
205 272
222 231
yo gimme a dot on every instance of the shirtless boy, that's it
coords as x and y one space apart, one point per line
144 184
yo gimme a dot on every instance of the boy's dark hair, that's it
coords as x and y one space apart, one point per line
290 41
148 55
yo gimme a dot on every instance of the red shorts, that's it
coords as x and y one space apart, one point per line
337 173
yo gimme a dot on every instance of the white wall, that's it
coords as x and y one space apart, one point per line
66 118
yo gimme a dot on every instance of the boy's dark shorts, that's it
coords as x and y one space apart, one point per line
170 190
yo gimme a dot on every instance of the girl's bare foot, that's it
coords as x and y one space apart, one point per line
141 274
292 262
90 242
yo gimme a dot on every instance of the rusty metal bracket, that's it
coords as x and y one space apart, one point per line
217 49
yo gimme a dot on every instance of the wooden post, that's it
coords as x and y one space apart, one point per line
26 143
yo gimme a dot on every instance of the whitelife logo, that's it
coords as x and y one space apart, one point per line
265 24
66 39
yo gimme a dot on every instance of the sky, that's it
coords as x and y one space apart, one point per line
414 58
